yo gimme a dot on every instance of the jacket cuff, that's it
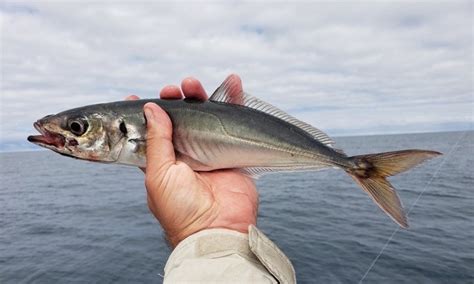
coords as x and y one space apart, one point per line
276 262
255 247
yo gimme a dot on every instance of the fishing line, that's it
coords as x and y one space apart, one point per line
413 205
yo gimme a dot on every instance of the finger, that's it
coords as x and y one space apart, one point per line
171 92
159 146
132 98
192 89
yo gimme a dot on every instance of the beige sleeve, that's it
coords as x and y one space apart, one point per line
221 255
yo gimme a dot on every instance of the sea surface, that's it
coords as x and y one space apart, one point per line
69 221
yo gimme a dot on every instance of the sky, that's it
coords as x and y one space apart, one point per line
347 68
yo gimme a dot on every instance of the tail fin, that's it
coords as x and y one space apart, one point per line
372 170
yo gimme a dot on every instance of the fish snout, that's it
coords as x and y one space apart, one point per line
45 120
50 122
40 123
47 128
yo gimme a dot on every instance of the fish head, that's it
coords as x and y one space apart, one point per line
79 134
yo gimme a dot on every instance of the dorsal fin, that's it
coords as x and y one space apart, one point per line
230 91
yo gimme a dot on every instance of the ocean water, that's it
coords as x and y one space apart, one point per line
69 221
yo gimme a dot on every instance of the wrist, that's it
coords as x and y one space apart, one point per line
212 218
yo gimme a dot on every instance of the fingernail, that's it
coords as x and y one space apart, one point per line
148 113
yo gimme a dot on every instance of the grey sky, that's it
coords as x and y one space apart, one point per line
348 69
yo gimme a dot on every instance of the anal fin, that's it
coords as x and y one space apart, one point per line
257 172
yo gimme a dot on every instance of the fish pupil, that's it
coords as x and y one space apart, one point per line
78 127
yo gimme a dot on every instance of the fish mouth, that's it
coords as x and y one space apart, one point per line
47 138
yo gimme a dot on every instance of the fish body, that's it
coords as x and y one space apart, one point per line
209 136
224 132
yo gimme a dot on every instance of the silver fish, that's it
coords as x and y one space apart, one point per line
239 132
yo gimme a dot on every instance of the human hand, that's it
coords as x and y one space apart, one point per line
185 201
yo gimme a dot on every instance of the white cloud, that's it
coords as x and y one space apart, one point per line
347 68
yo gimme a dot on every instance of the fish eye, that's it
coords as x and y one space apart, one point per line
78 126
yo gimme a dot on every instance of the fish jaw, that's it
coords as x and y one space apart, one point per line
47 139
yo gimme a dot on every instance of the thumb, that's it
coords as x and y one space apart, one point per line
159 146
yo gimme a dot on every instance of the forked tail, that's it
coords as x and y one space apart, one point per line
371 172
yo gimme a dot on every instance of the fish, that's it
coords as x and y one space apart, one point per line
237 131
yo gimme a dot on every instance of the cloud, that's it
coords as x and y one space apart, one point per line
346 68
